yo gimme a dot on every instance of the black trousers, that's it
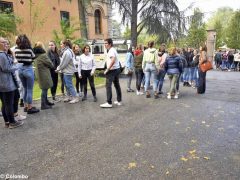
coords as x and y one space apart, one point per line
139 77
79 82
16 100
86 75
7 99
54 76
113 77
201 82
62 83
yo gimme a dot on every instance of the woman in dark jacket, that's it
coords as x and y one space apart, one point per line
54 57
202 75
8 86
43 67
173 67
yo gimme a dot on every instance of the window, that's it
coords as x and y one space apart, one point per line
97 15
65 17
6 7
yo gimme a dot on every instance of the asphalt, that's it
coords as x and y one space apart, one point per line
193 137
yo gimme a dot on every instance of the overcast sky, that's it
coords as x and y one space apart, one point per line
206 6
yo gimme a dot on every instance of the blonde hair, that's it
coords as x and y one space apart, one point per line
172 51
39 44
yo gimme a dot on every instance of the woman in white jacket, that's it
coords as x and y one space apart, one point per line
86 69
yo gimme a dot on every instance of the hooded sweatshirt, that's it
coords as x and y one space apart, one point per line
150 56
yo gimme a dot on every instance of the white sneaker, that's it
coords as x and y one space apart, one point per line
106 105
19 117
117 103
137 92
66 99
140 93
75 100
176 96
169 96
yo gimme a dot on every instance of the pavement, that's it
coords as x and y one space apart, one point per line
193 137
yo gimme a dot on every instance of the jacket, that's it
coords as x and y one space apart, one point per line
173 65
66 65
129 63
7 70
138 59
150 56
43 66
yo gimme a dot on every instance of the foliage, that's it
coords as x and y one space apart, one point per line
67 32
159 17
233 31
127 33
116 28
8 23
197 31
220 21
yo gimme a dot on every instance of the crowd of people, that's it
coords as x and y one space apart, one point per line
227 60
150 65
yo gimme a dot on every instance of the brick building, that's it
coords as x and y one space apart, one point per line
40 17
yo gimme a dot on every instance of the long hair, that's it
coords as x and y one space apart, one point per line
83 49
23 42
67 42
55 44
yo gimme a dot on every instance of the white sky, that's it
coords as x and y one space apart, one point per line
209 6
206 6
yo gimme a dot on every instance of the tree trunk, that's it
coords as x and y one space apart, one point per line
82 19
134 22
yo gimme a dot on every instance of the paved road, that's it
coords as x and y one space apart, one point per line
194 137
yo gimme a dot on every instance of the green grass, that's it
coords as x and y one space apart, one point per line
37 91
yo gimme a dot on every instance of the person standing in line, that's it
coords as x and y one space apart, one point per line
86 70
202 75
162 55
67 67
129 65
79 82
194 68
43 67
8 86
21 89
25 55
184 62
173 67
112 75
150 65
54 57
138 58
17 116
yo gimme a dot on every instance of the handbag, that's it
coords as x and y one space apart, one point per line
206 66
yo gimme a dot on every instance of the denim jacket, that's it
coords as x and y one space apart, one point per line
129 61
7 70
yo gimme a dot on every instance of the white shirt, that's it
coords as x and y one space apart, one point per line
86 63
112 53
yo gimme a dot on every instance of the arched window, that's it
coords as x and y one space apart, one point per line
97 15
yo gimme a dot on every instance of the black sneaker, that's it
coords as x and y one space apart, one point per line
94 99
25 109
33 110
84 98
50 103
6 124
16 124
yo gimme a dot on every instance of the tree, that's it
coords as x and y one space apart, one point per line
157 16
197 31
219 34
233 31
8 23
219 21
116 29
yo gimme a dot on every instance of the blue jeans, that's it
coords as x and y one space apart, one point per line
160 79
186 74
150 74
69 85
26 74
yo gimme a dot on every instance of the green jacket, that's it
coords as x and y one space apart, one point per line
43 66
150 56
138 61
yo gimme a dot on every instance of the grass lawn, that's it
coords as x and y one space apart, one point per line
37 91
